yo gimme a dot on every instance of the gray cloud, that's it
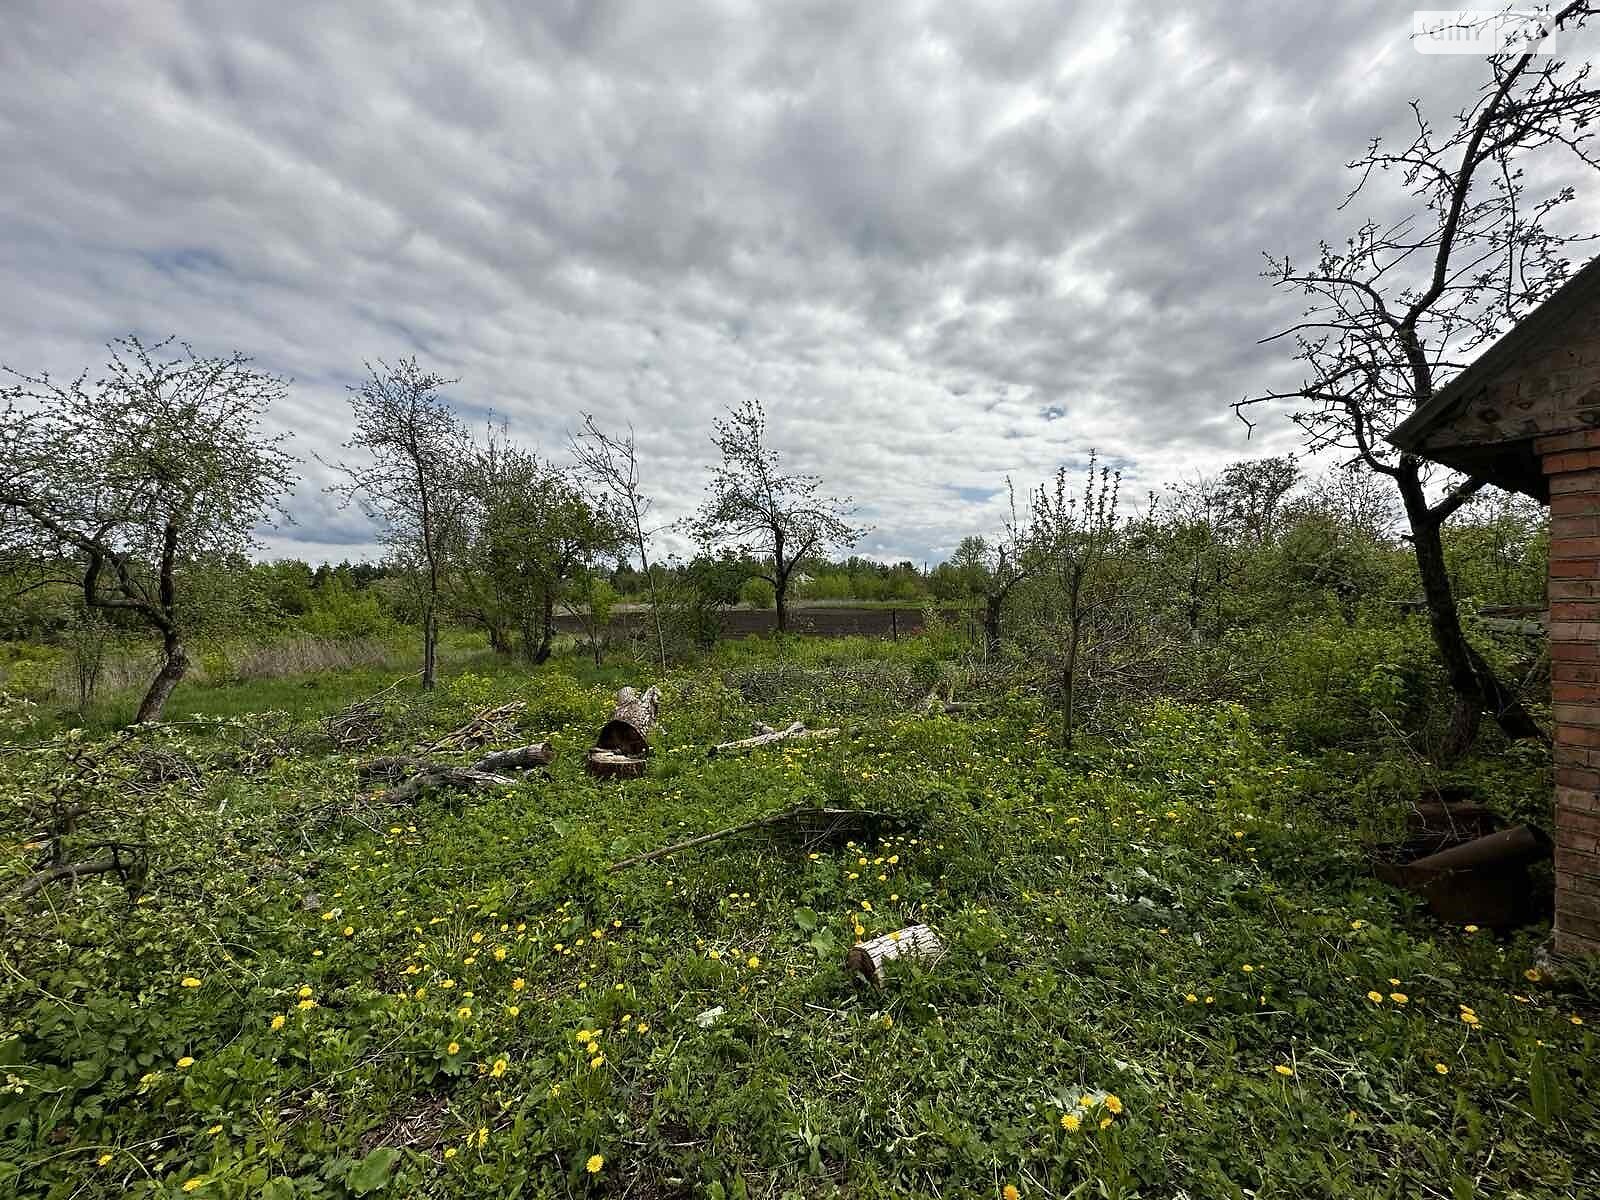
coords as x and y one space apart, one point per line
944 243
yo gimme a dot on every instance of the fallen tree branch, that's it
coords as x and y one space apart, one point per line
766 736
815 824
130 862
485 725
485 773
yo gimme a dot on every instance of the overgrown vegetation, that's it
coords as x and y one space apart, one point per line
1169 966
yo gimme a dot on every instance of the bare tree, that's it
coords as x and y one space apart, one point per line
137 477
1075 536
757 509
1009 561
1401 303
609 467
412 481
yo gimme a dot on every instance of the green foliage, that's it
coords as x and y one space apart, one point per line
758 593
336 610
458 999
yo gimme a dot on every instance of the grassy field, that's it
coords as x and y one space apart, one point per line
1170 972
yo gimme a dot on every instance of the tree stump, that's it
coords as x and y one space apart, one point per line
868 959
608 764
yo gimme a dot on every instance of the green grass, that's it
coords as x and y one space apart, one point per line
1169 938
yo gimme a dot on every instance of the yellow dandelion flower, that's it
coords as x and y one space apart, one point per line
596 1164
598 1061
1575 1019
1113 1103
195 1184
185 1063
1286 1071
1010 1192
1375 997
498 1069
518 984
306 1005
103 1160
1471 1018
453 1048
499 954
1441 1068
1070 1122
753 963
1104 1121
278 1022
483 1136
1400 997
305 991
449 1153
348 931
464 1013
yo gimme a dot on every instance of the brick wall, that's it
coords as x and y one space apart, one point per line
1572 461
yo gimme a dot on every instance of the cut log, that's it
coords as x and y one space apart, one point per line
522 758
766 736
628 730
608 764
869 959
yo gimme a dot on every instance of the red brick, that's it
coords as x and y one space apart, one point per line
1575 547
1573 506
1576 935
1575 692
1570 672
1575 610
1581 780
1575 482
1580 714
1555 443
1577 903
1574 631
1568 817
1570 461
1581 867
1573 589
1576 525
1572 568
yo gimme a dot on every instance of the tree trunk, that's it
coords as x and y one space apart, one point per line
781 599
430 649
993 602
175 664
547 625
1472 681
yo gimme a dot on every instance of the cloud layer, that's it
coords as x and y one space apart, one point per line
943 243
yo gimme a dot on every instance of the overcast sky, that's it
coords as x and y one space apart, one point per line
942 242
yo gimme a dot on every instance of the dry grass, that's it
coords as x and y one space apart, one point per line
129 671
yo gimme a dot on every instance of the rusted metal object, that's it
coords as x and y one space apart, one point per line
1483 881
